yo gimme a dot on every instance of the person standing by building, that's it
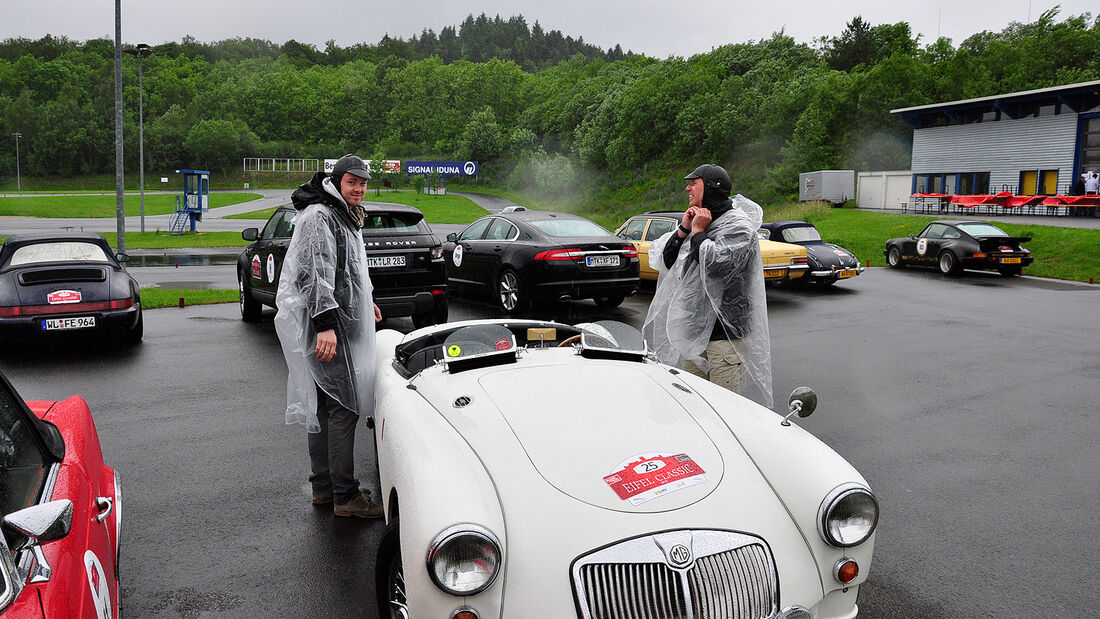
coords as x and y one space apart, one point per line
325 324
1092 183
709 312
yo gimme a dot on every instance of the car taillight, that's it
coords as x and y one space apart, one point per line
630 251
437 252
66 308
799 260
559 254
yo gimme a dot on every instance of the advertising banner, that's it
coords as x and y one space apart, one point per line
446 168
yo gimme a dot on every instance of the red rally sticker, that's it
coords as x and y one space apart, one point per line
648 476
256 266
63 296
504 344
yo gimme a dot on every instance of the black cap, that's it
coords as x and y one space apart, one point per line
714 177
350 164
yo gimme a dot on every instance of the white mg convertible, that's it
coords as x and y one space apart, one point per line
537 469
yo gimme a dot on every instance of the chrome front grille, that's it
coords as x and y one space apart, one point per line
726 576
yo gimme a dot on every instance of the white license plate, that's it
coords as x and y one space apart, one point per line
382 262
76 322
601 261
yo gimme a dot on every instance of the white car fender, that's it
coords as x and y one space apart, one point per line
448 485
809 470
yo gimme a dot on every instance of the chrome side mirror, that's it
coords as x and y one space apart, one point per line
803 402
39 523
122 257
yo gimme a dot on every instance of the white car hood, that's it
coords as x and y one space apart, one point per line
637 450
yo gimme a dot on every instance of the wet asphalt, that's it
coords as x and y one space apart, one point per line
968 404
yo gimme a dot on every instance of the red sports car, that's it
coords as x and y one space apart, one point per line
61 510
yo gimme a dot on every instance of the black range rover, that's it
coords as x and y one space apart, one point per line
404 257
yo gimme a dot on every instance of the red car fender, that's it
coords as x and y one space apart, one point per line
82 583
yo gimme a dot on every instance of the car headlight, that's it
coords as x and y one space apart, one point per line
848 515
464 559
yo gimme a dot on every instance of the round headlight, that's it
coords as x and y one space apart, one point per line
464 559
849 515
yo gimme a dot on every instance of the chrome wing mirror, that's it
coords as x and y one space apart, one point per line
803 402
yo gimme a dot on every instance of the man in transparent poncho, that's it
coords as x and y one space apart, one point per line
709 313
325 324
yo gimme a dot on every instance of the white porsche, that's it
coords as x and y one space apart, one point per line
538 469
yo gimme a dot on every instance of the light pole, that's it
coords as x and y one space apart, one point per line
120 209
18 187
141 51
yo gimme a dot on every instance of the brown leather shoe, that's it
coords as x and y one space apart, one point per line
360 507
322 497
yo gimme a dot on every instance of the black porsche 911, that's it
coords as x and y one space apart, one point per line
404 258
66 282
829 263
956 245
524 255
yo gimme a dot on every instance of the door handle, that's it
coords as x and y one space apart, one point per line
105 504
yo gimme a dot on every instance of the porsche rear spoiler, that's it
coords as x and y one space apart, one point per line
995 243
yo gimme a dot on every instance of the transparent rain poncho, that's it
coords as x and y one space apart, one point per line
326 268
725 284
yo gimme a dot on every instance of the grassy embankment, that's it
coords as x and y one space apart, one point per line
81 206
436 209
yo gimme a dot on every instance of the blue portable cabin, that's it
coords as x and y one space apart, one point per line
194 201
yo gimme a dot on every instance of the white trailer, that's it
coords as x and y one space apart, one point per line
836 186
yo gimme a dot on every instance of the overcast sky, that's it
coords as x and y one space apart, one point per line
658 28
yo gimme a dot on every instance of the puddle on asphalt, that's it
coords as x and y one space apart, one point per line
183 260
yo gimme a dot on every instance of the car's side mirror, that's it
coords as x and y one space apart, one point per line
911 237
38 523
803 402
122 257
250 234
452 237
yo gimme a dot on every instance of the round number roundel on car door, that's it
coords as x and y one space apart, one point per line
922 246
457 256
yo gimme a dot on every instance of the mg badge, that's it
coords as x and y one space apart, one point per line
679 555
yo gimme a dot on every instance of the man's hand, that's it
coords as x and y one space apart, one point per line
377 313
326 344
701 220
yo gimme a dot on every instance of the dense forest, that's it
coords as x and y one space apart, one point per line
537 109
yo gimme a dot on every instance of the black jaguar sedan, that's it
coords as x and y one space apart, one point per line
956 245
525 255
829 263
404 258
66 282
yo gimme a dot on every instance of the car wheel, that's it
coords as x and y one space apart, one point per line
609 302
510 297
134 335
389 577
893 257
1010 271
250 307
949 264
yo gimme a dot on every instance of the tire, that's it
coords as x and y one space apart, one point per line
437 316
389 580
1010 271
610 302
250 307
949 264
510 296
893 258
134 335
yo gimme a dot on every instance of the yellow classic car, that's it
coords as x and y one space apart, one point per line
782 261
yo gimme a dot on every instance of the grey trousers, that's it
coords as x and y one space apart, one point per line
332 450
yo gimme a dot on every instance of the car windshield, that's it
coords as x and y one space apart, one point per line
982 229
569 227
57 252
800 234
384 224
